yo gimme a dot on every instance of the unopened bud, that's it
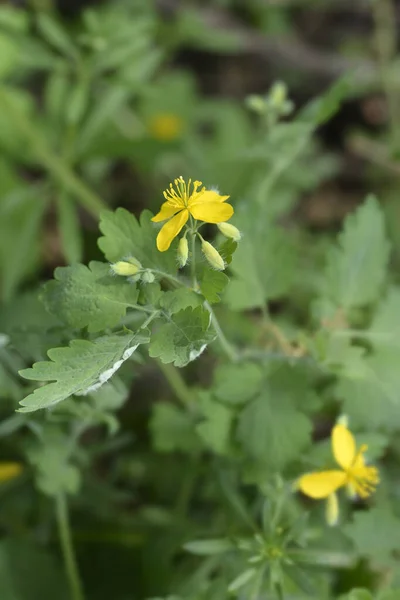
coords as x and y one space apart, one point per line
332 510
127 267
183 252
256 104
147 276
278 94
229 231
213 256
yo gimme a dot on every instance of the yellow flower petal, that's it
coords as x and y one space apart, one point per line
171 229
9 470
343 446
206 196
211 212
321 485
166 212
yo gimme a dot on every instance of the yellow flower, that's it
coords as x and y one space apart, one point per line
165 126
354 473
182 202
9 470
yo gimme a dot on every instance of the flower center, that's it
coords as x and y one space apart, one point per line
181 194
364 479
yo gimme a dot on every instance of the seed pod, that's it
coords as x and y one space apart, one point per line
183 252
229 231
125 268
213 256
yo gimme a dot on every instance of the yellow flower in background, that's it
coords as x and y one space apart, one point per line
359 478
165 126
9 470
183 202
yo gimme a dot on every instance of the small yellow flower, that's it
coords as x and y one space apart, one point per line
354 473
165 126
9 470
182 202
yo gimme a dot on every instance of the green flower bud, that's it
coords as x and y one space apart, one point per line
147 276
278 94
229 231
332 510
127 267
183 252
213 256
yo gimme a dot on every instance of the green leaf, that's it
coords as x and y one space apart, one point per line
27 571
209 547
78 369
242 579
180 299
125 236
237 384
56 35
89 296
21 215
384 332
263 269
172 429
374 400
212 284
216 428
51 458
183 338
375 534
322 109
271 429
356 268
357 594
70 228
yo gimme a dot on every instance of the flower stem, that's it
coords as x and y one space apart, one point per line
177 383
64 530
224 343
195 284
386 46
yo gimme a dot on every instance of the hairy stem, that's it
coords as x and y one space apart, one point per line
386 45
64 530
176 382
224 343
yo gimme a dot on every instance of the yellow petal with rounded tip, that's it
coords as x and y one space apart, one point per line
171 229
343 446
9 470
167 211
211 212
207 196
321 485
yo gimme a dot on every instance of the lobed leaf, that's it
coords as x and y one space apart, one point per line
80 368
89 296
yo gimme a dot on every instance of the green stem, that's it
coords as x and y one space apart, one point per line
54 165
224 343
386 46
71 567
195 284
177 383
177 282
